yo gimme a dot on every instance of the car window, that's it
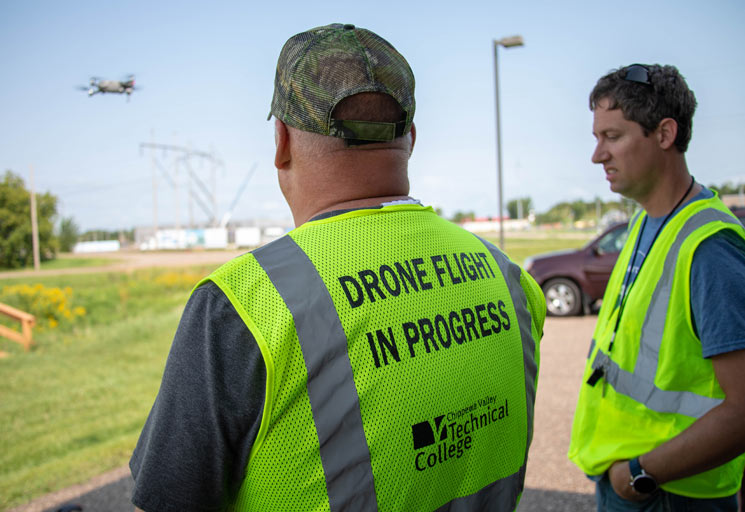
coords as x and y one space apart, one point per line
740 214
613 241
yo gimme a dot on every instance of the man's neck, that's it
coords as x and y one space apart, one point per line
672 183
669 194
350 205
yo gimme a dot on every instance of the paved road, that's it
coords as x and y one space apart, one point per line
114 497
552 483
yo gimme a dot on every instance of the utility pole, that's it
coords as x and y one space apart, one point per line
177 188
213 169
190 194
34 223
155 191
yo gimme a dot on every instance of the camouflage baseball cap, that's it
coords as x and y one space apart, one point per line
319 68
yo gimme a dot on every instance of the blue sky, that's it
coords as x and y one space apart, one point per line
206 72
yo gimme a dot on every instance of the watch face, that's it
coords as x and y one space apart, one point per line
644 484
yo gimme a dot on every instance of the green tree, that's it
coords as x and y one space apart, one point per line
560 212
462 216
568 212
580 208
95 235
727 188
15 223
513 208
68 234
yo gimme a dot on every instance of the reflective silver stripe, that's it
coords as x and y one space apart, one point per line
331 389
592 347
499 495
511 273
654 324
639 385
634 218
503 494
654 398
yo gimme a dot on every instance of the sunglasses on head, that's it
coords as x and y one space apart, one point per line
638 73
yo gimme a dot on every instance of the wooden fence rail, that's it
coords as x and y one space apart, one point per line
27 322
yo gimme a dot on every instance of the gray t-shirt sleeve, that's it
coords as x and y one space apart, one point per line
718 293
194 447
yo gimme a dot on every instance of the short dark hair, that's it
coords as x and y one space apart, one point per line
665 94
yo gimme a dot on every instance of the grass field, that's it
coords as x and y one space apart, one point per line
73 407
72 262
520 248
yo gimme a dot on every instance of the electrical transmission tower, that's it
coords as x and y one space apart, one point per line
197 190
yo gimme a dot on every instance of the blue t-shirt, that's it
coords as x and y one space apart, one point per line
717 284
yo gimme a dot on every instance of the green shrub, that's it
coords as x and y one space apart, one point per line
50 306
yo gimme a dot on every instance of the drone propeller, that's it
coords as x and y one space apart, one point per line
90 90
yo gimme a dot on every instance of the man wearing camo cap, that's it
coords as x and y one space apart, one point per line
377 357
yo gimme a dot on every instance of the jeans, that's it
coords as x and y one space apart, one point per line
659 501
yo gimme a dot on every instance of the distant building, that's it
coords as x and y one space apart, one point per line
99 246
734 200
249 236
491 224
238 234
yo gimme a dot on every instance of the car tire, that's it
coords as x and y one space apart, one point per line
563 297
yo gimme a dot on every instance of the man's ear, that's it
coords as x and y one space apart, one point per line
413 138
666 133
282 143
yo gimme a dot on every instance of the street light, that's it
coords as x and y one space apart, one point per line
507 42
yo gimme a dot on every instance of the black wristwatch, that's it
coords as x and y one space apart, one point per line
641 481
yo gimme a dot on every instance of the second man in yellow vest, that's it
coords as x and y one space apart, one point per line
660 422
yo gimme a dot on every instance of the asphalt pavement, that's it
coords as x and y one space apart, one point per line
114 497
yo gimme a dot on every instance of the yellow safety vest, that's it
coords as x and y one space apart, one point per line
401 356
655 381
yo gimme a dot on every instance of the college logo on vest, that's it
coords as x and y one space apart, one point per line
454 433
424 435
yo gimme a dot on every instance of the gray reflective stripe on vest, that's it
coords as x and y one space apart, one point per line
639 385
331 390
633 220
511 273
592 347
654 323
499 495
503 494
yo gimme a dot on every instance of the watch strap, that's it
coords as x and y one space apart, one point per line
641 481
635 467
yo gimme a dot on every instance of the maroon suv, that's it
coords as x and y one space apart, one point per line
574 280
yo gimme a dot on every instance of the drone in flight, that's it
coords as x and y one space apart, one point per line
97 85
